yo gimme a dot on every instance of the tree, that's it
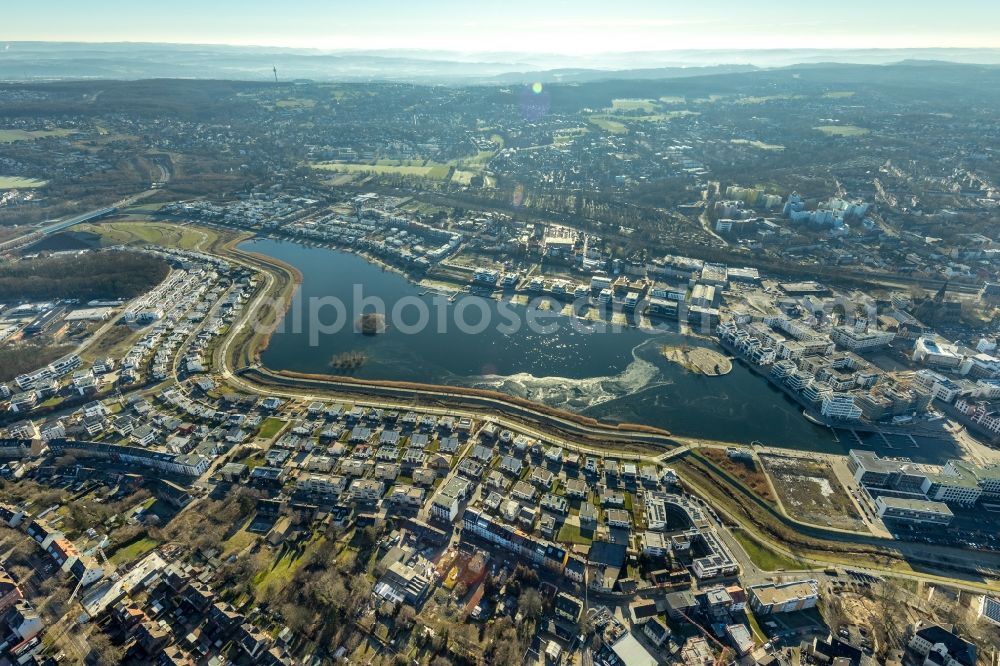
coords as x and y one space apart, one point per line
102 651
297 617
889 607
387 609
832 610
407 616
504 646
530 604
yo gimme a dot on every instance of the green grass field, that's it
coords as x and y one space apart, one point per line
763 99
764 557
18 183
462 177
282 570
12 135
149 232
238 541
838 94
133 551
571 534
608 125
430 170
615 124
271 427
645 105
148 208
842 130
477 161
775 147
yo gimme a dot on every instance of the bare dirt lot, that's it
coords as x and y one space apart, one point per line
811 492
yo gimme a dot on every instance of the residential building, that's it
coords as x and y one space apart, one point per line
444 505
941 646
787 597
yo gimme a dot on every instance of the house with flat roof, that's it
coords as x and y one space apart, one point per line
916 511
770 598
444 505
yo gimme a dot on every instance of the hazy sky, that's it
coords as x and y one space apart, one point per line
559 26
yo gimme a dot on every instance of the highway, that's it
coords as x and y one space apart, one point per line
37 234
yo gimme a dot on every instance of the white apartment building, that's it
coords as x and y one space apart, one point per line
840 406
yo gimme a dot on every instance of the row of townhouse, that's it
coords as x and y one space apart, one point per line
54 370
188 464
531 549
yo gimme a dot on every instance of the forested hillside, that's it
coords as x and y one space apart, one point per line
94 275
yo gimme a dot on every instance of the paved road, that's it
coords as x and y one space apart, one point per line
37 234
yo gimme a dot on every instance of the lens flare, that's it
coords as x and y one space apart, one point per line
536 88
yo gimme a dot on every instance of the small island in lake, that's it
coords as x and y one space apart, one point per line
370 323
348 360
698 359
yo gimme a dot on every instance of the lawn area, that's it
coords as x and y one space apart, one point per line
420 169
608 125
570 533
842 130
115 342
565 137
253 461
18 183
12 135
139 232
838 94
148 207
463 177
646 105
271 427
477 161
238 541
764 557
281 572
776 147
440 172
755 626
133 551
763 99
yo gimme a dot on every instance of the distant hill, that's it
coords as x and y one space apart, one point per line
35 61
